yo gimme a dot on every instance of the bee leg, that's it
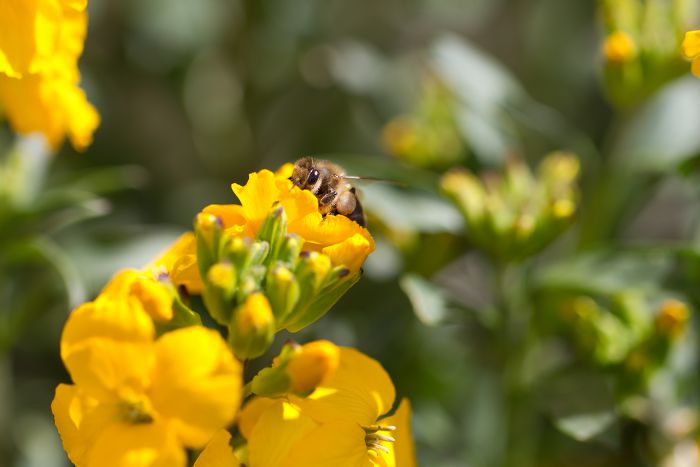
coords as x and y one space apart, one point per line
358 215
328 198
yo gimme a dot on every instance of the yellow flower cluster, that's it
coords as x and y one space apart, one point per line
126 406
150 382
40 44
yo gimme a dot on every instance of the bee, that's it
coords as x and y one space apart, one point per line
329 183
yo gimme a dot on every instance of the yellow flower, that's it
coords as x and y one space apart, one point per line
345 414
344 241
218 452
40 43
619 47
691 49
126 406
179 262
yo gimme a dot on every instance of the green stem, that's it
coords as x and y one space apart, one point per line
515 341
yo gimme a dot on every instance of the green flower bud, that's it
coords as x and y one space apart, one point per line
274 231
209 232
252 327
282 290
219 291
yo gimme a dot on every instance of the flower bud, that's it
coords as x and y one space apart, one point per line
252 327
282 290
219 291
291 248
208 229
619 48
309 367
274 231
672 318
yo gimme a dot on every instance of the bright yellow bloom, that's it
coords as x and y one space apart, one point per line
40 43
344 415
344 241
218 452
252 328
619 47
179 262
126 406
691 49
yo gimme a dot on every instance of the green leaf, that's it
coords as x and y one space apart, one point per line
664 133
429 301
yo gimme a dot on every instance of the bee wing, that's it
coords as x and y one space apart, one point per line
373 179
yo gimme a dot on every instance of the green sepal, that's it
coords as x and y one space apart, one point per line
271 382
339 282
274 231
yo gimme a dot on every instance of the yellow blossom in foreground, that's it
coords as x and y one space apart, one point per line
40 43
691 49
344 241
342 423
619 47
126 406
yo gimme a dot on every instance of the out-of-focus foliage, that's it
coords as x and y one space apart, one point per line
579 351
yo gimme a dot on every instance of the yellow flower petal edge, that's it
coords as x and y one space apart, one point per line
218 452
403 447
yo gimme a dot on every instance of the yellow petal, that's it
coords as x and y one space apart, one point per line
68 411
26 26
404 452
297 203
313 363
117 320
359 391
110 370
257 196
230 214
194 364
180 262
285 171
350 253
691 44
141 290
53 106
137 445
251 413
218 452
338 444
275 433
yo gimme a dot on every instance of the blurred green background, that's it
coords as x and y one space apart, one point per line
195 95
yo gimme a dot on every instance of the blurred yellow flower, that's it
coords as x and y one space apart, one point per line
126 406
619 47
344 241
344 414
691 49
40 44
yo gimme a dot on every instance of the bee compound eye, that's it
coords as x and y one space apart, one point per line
313 177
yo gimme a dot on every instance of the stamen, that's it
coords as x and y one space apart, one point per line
378 446
378 437
373 439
